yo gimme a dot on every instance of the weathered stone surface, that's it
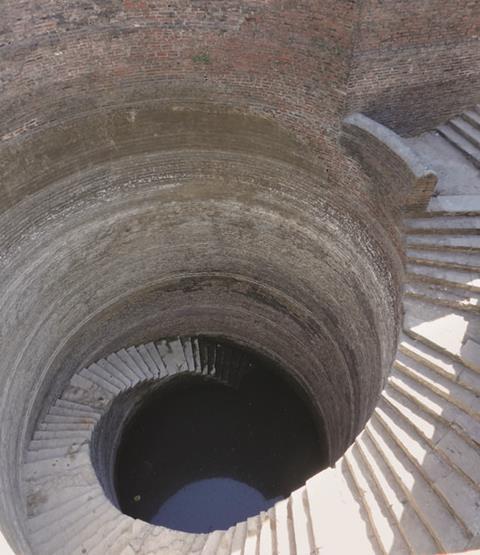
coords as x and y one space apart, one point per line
177 169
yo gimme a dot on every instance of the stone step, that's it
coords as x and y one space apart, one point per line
428 426
123 368
388 534
468 149
447 443
115 539
111 372
66 426
454 332
77 407
405 518
148 359
126 357
429 506
212 543
66 502
452 260
266 536
251 538
89 541
54 537
468 280
466 130
87 420
76 435
91 389
472 117
285 536
463 398
443 225
64 408
54 453
155 355
172 355
107 385
238 540
221 363
440 362
225 545
196 355
93 528
81 484
156 539
454 204
304 542
332 505
106 375
40 470
188 353
453 243
431 403
462 499
440 294
141 363
69 443
437 406
37 490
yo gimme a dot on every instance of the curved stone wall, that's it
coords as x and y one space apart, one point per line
233 242
155 182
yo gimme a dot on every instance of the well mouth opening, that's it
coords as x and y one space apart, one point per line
201 452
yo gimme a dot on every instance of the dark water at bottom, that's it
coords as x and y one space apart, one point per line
199 456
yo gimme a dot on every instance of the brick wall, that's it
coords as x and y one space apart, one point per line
415 63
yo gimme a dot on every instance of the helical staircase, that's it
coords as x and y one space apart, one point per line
409 484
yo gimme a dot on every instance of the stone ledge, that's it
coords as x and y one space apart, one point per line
399 171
